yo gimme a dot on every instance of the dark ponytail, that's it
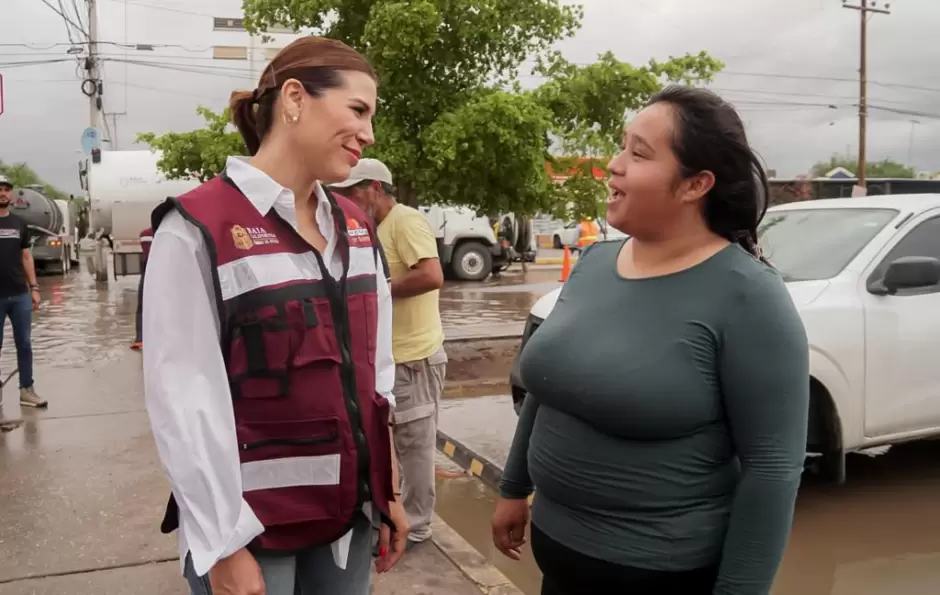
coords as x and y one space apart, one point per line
316 62
242 106
709 136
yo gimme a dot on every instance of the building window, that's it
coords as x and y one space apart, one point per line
224 24
238 24
269 53
229 52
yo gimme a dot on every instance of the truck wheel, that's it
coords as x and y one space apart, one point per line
472 261
556 243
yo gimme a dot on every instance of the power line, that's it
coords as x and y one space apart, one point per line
162 8
78 13
24 64
127 45
64 16
68 28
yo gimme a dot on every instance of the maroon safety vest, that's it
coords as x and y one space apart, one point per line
299 348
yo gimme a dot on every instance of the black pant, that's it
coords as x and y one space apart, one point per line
567 572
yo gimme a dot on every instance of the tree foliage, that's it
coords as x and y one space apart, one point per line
22 175
453 123
201 153
873 169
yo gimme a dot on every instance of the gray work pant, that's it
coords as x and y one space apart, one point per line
312 571
418 389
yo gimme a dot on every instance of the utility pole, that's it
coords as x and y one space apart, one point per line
93 90
113 134
864 8
910 144
91 87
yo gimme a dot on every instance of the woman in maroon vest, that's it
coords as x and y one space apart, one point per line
268 368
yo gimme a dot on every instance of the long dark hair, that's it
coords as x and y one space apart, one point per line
316 62
709 136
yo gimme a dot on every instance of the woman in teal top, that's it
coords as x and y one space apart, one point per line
665 427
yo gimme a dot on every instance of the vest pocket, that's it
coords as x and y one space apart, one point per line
314 336
291 469
259 353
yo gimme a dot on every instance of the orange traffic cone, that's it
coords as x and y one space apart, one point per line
566 265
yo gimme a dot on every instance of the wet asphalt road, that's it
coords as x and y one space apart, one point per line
877 535
81 492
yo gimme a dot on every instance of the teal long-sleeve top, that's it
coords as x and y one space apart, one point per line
665 426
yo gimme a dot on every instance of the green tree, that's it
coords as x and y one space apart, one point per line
22 175
873 169
452 122
588 104
201 153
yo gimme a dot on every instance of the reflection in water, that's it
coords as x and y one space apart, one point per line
466 504
78 322
495 301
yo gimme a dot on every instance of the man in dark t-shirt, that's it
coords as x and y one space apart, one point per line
19 293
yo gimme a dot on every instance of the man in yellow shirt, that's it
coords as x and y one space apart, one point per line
417 334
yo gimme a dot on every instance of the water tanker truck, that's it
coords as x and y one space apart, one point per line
123 189
51 228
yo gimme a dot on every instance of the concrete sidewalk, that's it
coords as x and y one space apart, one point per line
82 494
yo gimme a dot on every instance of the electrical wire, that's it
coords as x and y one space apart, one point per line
24 64
163 8
68 28
65 16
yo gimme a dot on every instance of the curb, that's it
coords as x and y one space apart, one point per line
554 261
469 561
488 472
484 338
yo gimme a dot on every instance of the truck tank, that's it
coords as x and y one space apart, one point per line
37 210
131 179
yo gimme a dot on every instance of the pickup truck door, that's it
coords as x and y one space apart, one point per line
902 340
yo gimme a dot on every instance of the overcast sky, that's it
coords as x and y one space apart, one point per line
778 53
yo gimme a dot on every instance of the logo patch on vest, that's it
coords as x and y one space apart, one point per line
358 235
245 238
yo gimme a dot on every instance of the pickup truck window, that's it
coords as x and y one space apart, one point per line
923 240
813 244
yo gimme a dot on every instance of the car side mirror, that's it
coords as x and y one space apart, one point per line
908 272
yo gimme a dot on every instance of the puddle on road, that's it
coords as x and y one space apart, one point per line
877 535
496 301
466 504
78 321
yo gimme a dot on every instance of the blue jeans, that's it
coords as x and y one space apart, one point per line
20 310
311 571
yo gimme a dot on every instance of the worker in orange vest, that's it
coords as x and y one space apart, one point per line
588 232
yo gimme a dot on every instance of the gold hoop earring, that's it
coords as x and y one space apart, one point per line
290 118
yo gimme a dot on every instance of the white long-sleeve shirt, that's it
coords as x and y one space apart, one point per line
186 385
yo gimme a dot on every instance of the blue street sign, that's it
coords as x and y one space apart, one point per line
91 139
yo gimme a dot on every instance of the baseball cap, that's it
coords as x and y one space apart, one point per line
367 169
5 181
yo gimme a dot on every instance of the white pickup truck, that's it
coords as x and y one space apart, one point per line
865 276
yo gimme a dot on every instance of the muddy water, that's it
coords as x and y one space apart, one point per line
466 504
78 322
877 535
506 299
